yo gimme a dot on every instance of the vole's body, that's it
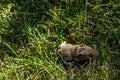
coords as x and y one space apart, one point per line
76 53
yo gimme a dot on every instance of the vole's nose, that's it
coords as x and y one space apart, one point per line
58 48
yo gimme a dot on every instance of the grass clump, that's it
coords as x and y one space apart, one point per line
23 56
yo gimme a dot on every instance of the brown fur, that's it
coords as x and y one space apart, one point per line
77 52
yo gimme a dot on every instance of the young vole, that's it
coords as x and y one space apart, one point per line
76 53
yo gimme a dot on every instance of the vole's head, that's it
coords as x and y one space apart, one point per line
65 50
64 47
61 45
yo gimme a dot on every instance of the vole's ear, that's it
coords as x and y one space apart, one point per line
64 42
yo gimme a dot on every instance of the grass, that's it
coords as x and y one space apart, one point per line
23 56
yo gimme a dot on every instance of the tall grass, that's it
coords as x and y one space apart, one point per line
23 56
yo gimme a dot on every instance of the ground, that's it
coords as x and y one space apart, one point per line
23 56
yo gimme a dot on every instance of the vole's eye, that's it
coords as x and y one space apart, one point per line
58 47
